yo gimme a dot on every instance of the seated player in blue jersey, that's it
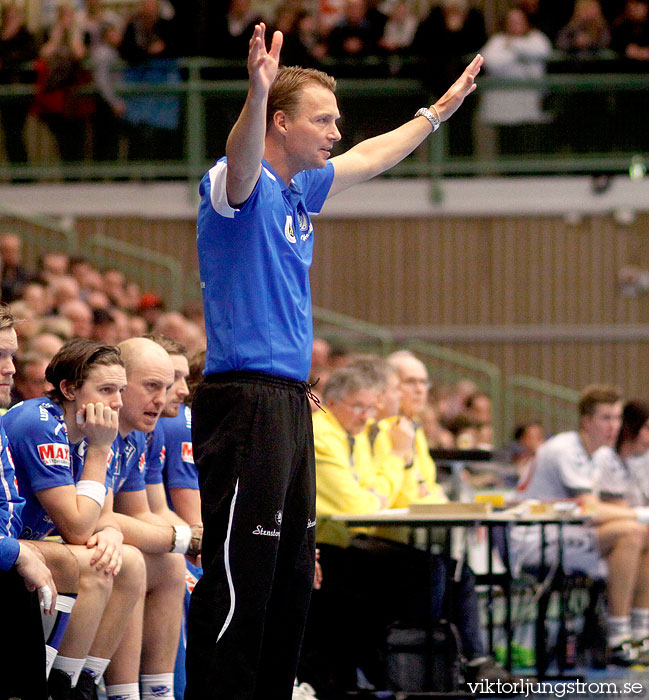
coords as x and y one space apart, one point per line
22 569
147 653
61 445
171 479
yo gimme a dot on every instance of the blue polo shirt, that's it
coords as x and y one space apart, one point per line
11 505
43 458
254 267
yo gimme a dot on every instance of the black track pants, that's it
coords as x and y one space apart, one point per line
253 447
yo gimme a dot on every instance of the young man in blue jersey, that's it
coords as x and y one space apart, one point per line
61 446
147 653
252 433
22 569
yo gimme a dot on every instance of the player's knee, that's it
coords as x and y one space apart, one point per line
132 575
93 581
174 572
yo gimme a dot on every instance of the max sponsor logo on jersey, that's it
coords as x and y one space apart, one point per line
54 454
187 452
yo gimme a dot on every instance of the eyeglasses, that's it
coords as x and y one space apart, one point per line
414 381
359 408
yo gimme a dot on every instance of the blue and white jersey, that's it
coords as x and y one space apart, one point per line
179 469
155 454
43 458
254 267
11 505
130 463
619 479
562 469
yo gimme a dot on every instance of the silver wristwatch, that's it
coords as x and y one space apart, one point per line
432 118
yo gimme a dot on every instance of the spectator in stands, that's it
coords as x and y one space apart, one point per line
152 121
478 407
147 34
526 440
80 316
355 36
613 546
52 265
45 344
451 31
17 46
61 447
587 33
547 15
400 28
155 630
114 282
29 380
235 29
64 289
303 45
37 298
104 327
436 434
93 18
631 35
14 275
59 75
518 52
110 107
29 323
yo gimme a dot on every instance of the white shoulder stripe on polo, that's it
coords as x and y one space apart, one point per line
7 493
228 570
218 194
270 175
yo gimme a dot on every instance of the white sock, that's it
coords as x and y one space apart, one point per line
640 623
125 691
70 666
159 685
619 630
95 667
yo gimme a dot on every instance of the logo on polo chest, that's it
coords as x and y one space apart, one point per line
288 229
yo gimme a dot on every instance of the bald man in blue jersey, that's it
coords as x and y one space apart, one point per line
252 433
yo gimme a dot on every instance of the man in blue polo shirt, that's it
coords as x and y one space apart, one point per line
252 433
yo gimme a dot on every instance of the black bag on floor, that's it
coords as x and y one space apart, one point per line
417 662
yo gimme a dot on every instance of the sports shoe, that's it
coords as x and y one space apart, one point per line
303 691
86 688
625 654
59 685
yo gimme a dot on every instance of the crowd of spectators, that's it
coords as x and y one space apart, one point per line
66 297
83 42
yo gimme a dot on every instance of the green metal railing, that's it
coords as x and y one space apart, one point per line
389 101
39 232
153 270
530 398
444 364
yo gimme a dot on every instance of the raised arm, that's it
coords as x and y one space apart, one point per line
376 155
245 146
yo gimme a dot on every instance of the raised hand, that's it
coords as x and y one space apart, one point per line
263 64
451 100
